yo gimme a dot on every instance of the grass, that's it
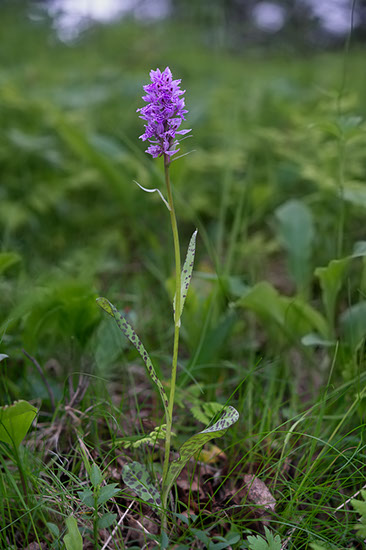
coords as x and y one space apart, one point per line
275 187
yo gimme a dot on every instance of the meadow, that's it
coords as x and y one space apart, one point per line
275 318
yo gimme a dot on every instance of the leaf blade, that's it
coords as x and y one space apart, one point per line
194 443
15 421
137 478
73 539
186 274
131 335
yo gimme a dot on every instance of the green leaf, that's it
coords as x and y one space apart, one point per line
293 315
15 421
269 543
131 335
359 249
8 259
96 476
53 529
264 300
313 339
355 193
203 412
353 325
331 279
107 492
73 539
186 275
106 520
137 478
147 439
296 231
194 444
87 497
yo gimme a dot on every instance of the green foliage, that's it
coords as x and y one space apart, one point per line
203 412
151 438
63 310
15 421
187 270
7 260
271 542
293 316
296 231
96 497
331 278
136 476
353 325
73 540
194 443
360 507
128 331
276 187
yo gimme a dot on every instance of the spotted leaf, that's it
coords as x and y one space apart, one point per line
137 478
190 447
131 335
186 273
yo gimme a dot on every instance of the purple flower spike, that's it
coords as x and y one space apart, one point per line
164 113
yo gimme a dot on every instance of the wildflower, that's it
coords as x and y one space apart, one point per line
164 113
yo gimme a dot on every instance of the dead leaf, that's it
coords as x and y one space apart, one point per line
256 492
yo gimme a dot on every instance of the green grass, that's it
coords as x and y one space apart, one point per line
268 130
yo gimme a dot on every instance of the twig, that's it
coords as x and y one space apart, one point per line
350 498
44 379
120 521
286 541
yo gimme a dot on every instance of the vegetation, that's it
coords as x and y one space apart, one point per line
275 319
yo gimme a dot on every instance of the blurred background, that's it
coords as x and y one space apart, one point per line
276 98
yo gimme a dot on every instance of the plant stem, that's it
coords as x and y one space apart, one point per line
173 221
21 473
95 518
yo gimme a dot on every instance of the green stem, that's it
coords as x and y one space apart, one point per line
173 221
95 518
21 473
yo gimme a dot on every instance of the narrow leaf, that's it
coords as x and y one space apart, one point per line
73 539
153 191
131 335
194 443
15 421
187 272
137 478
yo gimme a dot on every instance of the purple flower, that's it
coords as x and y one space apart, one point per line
164 113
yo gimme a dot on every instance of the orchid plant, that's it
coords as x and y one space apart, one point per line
164 113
